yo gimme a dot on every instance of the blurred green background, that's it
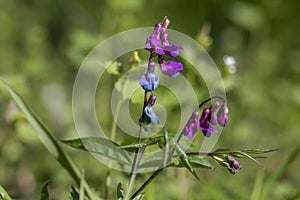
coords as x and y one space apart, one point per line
42 44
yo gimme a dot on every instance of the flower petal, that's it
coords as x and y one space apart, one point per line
171 68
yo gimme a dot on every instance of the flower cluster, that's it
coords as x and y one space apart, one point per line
216 114
158 45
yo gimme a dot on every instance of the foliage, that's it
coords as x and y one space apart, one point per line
43 44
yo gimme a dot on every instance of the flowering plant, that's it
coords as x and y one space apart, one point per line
214 116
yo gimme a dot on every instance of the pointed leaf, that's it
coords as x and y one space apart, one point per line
48 140
195 162
240 154
3 194
258 151
143 143
152 160
184 159
44 194
101 146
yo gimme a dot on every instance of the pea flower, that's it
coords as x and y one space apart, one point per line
150 80
204 123
153 41
158 45
149 118
223 115
170 68
216 114
191 127
233 165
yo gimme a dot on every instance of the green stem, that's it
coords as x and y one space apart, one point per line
147 182
135 164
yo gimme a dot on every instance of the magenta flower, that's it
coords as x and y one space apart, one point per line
191 127
172 50
233 165
222 115
158 45
204 123
154 40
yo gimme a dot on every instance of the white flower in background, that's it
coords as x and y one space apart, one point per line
231 63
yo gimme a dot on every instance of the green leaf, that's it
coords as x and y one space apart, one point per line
74 194
145 142
185 160
48 140
199 162
44 194
258 151
120 191
101 146
152 160
195 161
240 154
3 194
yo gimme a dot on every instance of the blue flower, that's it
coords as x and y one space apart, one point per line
150 118
150 80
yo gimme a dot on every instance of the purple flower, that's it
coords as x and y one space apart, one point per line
213 109
154 39
170 68
204 123
222 115
191 127
172 50
150 80
233 165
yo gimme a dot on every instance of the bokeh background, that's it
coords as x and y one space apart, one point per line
42 44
